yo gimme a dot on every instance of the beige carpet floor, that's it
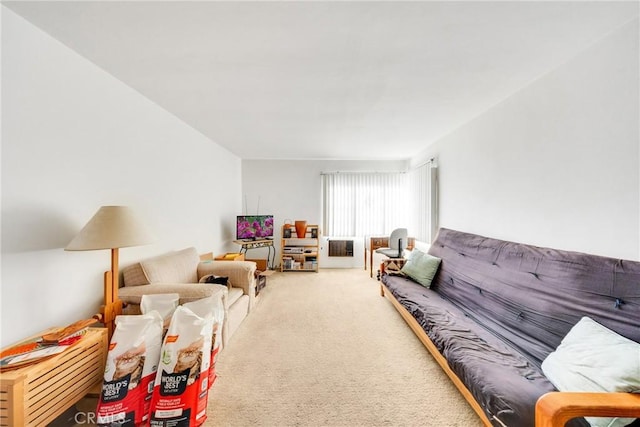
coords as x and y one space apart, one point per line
325 349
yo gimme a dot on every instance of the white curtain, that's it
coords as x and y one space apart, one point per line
360 204
423 201
363 204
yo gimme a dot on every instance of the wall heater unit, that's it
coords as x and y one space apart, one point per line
341 248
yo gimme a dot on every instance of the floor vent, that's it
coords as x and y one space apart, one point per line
342 248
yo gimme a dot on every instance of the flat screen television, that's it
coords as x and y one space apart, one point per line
252 227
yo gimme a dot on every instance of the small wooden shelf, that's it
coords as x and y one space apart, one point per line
300 253
38 393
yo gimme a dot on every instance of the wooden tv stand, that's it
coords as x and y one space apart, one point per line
245 245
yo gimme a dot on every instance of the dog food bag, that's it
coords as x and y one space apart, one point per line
211 307
165 304
132 362
181 388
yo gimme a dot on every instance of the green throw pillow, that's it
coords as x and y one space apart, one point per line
421 267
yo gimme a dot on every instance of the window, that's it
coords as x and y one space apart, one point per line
361 204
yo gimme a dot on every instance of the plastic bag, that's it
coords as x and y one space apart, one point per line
182 383
132 362
165 304
211 307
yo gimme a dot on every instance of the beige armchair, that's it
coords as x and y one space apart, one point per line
184 273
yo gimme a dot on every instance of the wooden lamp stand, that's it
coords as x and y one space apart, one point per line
112 305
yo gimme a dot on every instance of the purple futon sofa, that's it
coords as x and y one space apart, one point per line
496 309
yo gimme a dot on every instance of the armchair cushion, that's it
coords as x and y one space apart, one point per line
188 291
174 267
234 295
133 275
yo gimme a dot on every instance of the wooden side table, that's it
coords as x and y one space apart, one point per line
261 280
374 243
391 265
36 394
380 242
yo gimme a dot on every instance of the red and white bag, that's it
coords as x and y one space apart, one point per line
132 361
213 307
181 388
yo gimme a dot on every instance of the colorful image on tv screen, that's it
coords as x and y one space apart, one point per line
254 227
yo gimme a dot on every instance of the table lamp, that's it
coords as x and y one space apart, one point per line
112 227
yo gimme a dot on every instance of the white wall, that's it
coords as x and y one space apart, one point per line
292 189
557 164
75 138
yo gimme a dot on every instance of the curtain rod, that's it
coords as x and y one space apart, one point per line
361 172
431 160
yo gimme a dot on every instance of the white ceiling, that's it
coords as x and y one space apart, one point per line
328 79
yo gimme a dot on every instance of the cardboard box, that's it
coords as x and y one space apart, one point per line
230 257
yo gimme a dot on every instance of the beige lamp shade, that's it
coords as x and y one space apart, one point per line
111 227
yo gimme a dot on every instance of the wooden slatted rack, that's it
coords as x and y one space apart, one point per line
36 394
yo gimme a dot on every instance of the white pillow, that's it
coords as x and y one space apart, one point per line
592 358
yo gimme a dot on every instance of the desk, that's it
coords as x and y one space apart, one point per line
380 242
245 245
